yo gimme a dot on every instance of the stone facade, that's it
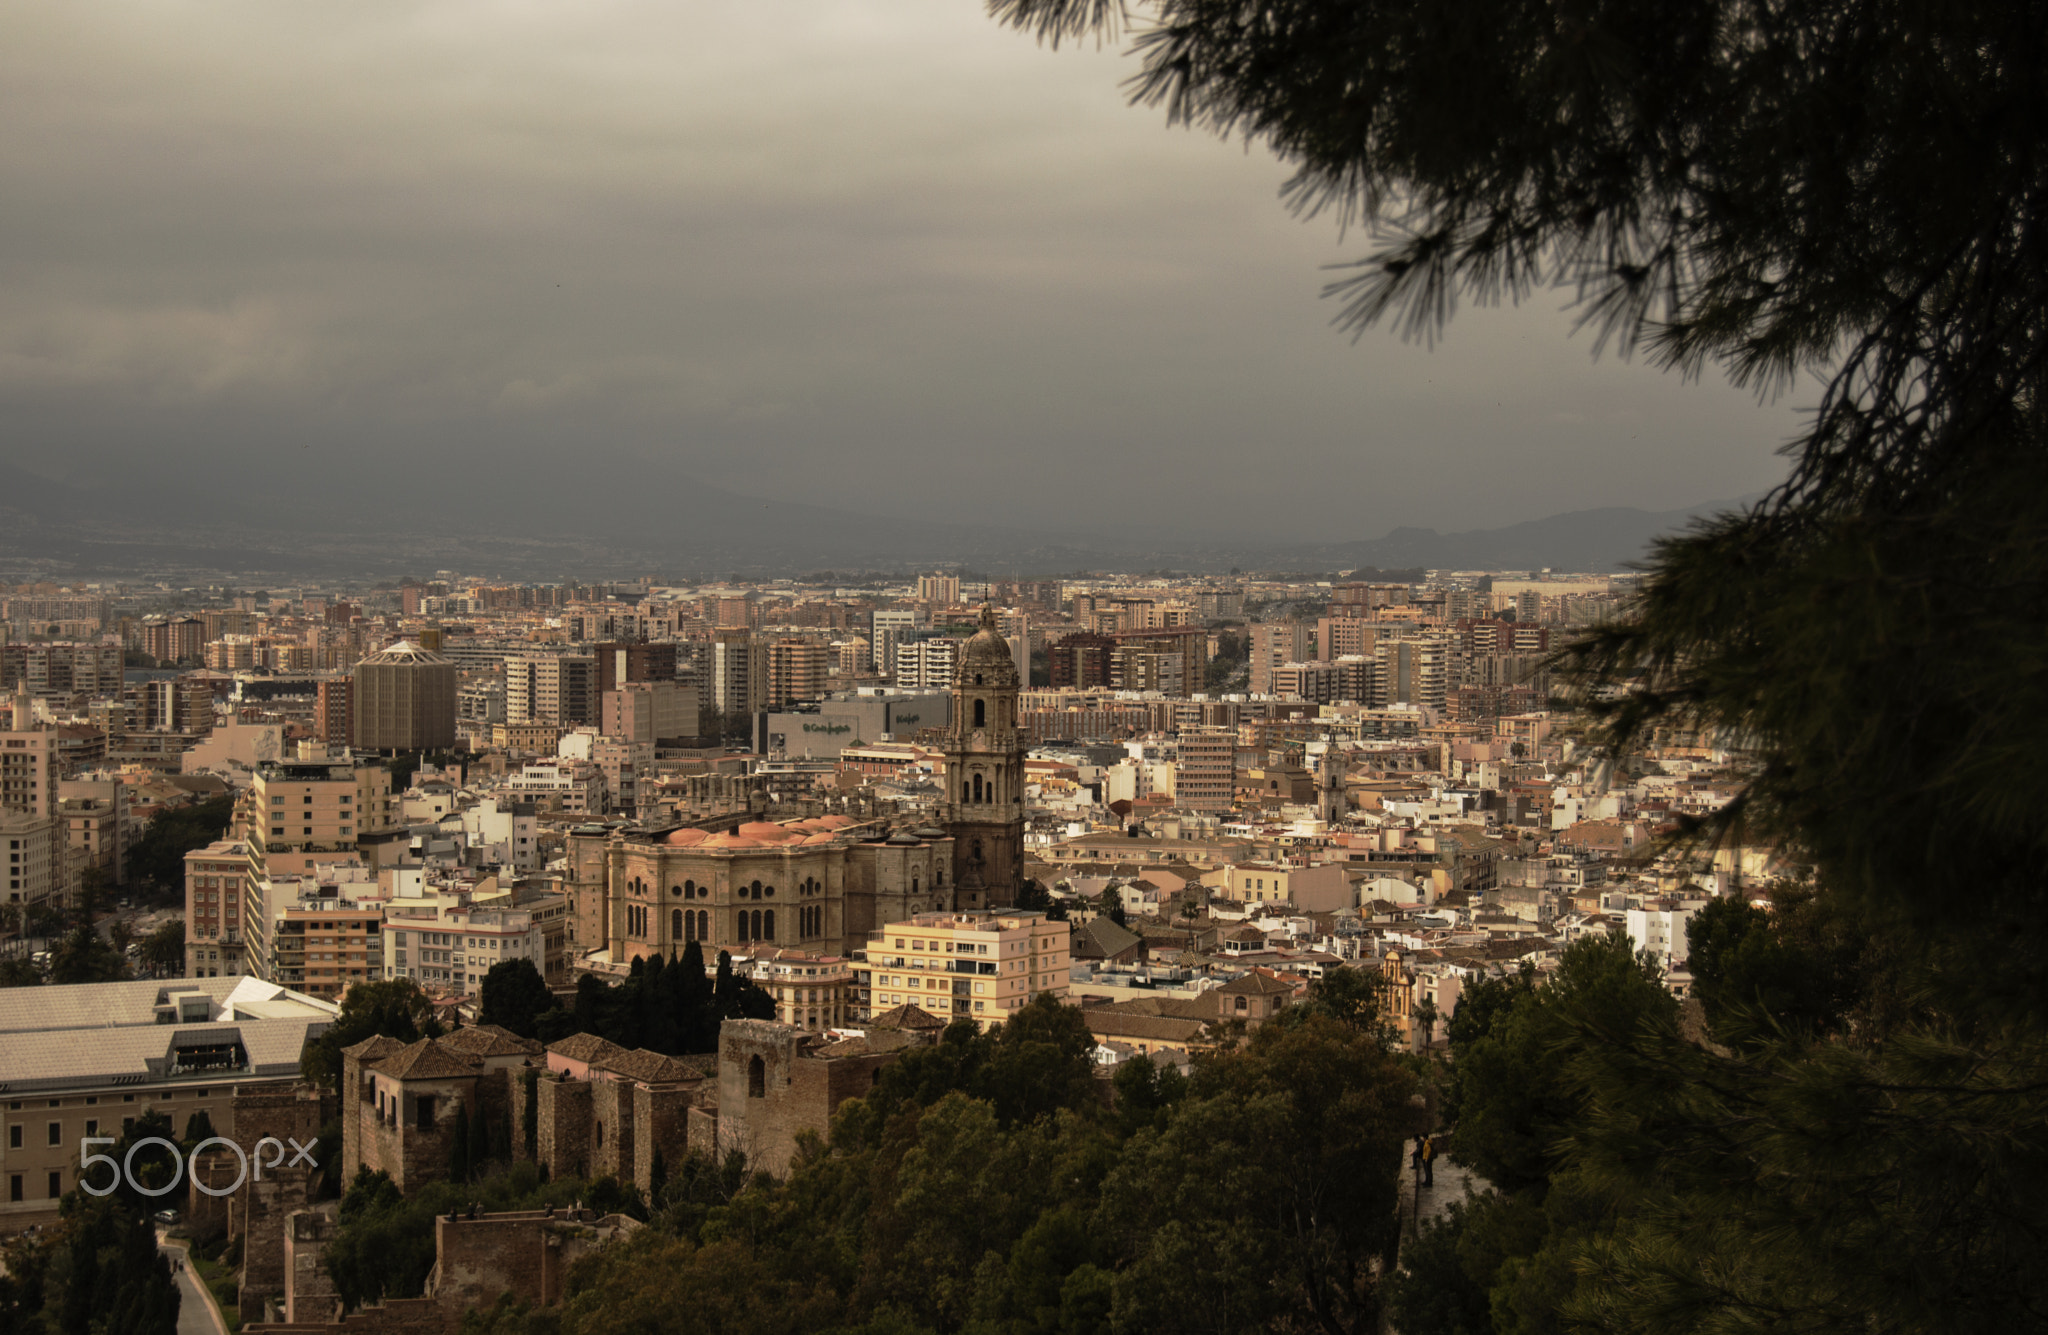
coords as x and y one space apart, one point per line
400 1102
985 747
308 1288
604 1109
776 1082
526 1254
565 1126
820 885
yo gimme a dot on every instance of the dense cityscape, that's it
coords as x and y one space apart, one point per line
782 668
1173 808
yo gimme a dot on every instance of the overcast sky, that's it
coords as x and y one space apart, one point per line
876 254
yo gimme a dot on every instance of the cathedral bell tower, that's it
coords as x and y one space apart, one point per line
985 773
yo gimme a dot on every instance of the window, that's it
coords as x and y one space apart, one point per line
424 1108
56 1133
14 1136
15 1188
56 1184
92 1126
757 1078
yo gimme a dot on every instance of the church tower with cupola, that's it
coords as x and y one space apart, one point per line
985 773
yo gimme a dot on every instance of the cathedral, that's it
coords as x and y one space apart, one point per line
821 884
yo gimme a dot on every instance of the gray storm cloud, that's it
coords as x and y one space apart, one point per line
881 256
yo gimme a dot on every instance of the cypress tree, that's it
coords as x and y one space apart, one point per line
458 1152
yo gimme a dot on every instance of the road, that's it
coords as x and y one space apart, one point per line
196 1314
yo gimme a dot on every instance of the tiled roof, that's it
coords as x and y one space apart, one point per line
1109 1023
586 1048
1255 984
647 1067
373 1048
427 1060
490 1040
907 1016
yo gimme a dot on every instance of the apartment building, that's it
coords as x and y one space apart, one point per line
216 891
1274 645
1205 771
798 669
551 688
927 665
888 628
37 862
323 947
316 806
739 672
447 944
971 966
812 991
29 762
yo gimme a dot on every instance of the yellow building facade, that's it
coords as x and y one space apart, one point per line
975 966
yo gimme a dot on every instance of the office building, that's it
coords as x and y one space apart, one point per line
659 713
404 699
92 1058
623 662
889 627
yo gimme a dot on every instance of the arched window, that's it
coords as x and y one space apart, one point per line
689 889
675 924
689 932
980 712
757 889
913 885
703 924
757 1078
974 789
742 925
757 926
769 933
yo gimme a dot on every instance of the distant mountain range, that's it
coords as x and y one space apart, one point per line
679 528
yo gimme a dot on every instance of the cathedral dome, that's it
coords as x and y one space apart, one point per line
987 653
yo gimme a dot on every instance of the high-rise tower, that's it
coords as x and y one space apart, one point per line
985 772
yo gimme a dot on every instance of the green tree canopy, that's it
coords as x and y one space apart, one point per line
396 1008
157 859
84 956
514 996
